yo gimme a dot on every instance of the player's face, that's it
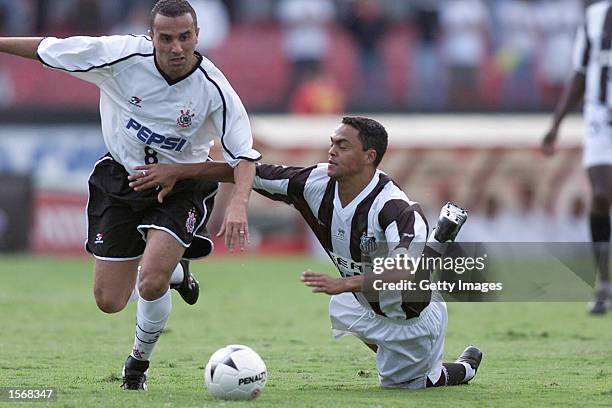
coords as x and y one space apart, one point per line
346 156
175 39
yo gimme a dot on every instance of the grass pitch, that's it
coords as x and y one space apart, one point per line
548 354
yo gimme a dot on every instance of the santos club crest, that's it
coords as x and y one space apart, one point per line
367 244
185 119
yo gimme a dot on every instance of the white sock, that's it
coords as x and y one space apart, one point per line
151 317
469 372
177 275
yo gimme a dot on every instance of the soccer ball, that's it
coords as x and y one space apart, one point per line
235 372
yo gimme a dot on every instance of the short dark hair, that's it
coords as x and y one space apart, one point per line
172 8
372 134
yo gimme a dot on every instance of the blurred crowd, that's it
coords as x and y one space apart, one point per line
428 55
530 222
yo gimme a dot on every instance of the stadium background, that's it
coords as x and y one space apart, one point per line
465 88
462 85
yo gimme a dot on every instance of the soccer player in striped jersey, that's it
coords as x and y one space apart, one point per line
160 102
352 207
590 81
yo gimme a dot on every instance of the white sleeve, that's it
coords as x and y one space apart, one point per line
581 50
232 122
91 58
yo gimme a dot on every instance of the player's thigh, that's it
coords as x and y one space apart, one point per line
409 354
346 314
162 252
161 255
113 283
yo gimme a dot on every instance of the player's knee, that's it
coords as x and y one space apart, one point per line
108 303
152 285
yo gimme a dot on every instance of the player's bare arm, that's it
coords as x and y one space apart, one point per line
25 47
323 283
449 224
164 176
572 94
235 225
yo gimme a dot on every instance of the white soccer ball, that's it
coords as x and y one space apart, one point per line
235 372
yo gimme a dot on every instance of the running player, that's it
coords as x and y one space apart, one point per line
591 80
160 102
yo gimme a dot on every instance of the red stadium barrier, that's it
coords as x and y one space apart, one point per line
60 228
59 223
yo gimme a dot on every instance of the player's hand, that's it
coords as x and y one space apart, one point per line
235 226
322 283
162 177
548 143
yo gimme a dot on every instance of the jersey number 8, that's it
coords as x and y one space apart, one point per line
150 156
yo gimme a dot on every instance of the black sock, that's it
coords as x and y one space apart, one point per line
134 364
455 373
452 374
600 234
600 228
441 381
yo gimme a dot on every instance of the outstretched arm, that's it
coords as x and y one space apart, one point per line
235 225
449 224
25 47
272 181
164 176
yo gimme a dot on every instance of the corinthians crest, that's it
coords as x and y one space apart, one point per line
191 221
185 119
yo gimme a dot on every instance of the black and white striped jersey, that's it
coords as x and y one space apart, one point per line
146 116
380 214
593 57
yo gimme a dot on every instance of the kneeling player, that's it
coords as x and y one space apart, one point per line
350 205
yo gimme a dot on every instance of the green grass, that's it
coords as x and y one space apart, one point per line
53 336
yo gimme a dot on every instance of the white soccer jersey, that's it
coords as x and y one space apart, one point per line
146 117
593 57
380 215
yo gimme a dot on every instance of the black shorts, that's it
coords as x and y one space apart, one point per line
118 217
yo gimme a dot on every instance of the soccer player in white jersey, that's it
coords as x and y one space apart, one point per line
351 206
160 102
592 65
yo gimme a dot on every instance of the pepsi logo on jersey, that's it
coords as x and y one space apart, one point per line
149 137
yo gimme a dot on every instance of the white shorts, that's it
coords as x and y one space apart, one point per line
597 143
409 351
